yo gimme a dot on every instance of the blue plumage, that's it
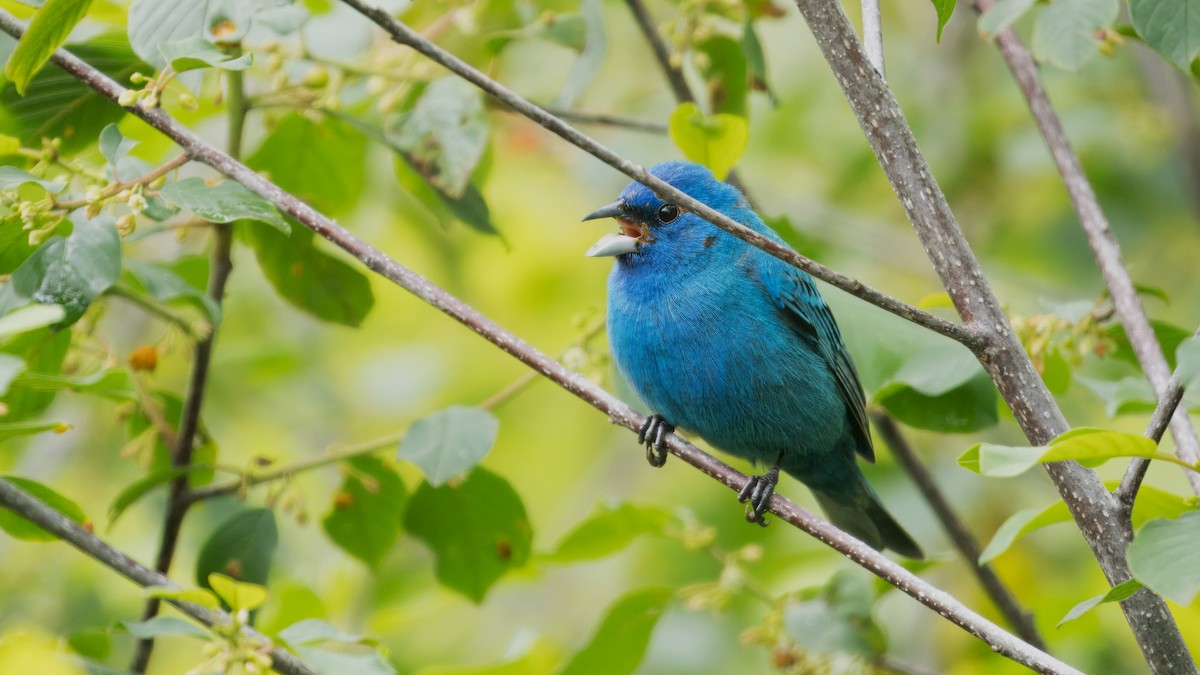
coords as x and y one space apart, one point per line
723 340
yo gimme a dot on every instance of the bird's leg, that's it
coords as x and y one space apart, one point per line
758 492
654 436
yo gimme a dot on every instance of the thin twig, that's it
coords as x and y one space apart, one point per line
157 308
1168 403
25 505
607 120
956 529
189 423
619 412
333 455
115 188
1103 242
662 52
405 35
872 29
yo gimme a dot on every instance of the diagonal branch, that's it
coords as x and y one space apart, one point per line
662 52
405 35
964 541
1100 237
27 506
1168 404
619 412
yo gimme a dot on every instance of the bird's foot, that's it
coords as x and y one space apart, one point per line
654 436
757 495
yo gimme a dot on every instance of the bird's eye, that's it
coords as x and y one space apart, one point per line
667 213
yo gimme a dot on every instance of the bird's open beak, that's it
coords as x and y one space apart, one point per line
613 244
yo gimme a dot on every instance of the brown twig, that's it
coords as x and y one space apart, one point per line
1020 620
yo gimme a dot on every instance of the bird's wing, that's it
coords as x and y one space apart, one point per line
794 292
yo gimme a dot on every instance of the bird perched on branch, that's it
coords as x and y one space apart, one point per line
722 339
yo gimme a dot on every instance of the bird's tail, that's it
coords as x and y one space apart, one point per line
860 513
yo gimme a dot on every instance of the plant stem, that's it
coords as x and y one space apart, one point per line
189 424
956 529
25 505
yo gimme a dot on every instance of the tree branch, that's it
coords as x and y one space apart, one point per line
1094 509
28 507
1168 403
662 52
405 35
618 411
1100 237
964 541
189 423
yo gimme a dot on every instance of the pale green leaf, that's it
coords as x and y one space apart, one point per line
1117 593
449 442
716 142
1163 556
48 29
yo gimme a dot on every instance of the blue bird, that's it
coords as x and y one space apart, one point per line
723 340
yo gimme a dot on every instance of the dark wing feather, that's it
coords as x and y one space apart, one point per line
794 292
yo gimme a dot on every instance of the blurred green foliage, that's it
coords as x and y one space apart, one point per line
533 538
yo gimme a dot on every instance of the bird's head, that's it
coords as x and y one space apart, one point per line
652 230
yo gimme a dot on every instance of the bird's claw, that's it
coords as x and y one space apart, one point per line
653 435
757 495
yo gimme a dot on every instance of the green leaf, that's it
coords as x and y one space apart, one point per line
477 529
587 65
837 621
449 442
1187 356
324 164
567 30
312 631
310 279
236 594
56 105
44 351
726 72
114 146
609 530
91 643
1169 337
10 367
20 528
1128 395
1056 371
1163 556
163 625
11 177
133 492
153 22
470 209
1090 447
167 286
944 9
363 662
1022 523
365 517
1117 593
224 202
72 271
756 61
195 53
1064 32
48 29
624 634
941 388
196 596
1001 15
1169 27
716 142
444 135
241 547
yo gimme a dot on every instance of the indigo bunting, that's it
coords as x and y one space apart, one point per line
723 340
